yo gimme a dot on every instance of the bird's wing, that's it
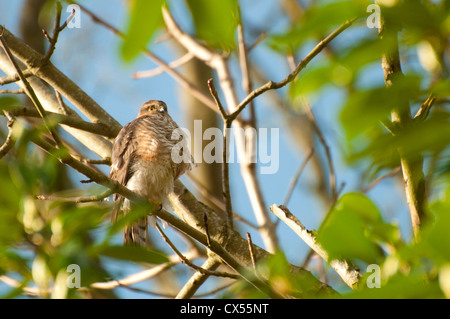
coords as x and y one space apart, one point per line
187 164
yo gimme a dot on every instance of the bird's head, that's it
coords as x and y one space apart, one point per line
152 107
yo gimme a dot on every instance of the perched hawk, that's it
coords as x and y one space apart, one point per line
146 159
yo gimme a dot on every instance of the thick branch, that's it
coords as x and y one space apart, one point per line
78 123
412 168
50 74
47 97
224 242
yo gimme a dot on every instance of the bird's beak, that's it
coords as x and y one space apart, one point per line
162 108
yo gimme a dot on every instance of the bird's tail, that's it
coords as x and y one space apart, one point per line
136 233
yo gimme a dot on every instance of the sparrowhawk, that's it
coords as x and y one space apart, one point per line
143 160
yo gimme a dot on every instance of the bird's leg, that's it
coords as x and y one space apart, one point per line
156 203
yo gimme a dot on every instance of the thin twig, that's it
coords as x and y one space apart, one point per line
15 77
56 30
197 279
19 91
291 76
174 64
424 109
319 134
215 96
258 40
30 92
252 253
79 199
297 176
68 120
204 191
104 161
10 140
245 74
392 173
208 238
192 265
142 275
225 170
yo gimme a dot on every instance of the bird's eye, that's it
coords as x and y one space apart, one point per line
151 108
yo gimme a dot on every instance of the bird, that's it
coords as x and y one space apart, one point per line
148 155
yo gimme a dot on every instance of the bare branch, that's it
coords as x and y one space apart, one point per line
189 263
248 171
392 173
297 176
197 279
96 128
174 64
143 275
319 134
252 254
10 141
225 152
291 76
15 77
20 91
80 199
31 94
50 74
348 272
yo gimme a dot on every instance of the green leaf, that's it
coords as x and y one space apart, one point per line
319 19
366 108
401 287
437 236
133 253
215 21
430 136
348 232
145 19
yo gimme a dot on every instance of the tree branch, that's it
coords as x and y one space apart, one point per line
46 95
50 74
10 140
248 170
349 273
291 76
224 242
78 123
412 168
194 283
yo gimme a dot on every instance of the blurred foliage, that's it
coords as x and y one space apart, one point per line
40 239
215 23
145 19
